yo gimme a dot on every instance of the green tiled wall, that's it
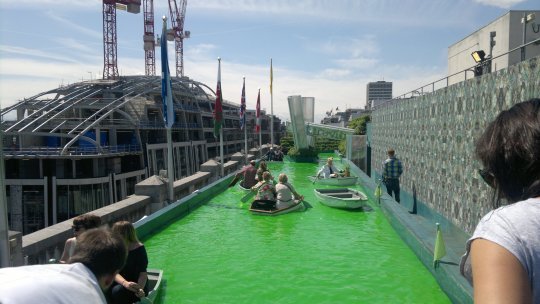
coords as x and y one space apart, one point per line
434 136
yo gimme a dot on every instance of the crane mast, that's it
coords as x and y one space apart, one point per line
177 20
110 65
148 38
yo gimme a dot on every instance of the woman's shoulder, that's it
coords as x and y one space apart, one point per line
517 216
136 246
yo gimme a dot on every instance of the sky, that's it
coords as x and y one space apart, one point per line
327 49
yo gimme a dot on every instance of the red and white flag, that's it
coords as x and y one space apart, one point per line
258 113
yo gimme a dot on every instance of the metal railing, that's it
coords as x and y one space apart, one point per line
85 150
430 87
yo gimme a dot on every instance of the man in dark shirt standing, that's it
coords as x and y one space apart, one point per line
392 169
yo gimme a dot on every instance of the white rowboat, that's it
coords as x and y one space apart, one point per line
265 207
335 181
343 198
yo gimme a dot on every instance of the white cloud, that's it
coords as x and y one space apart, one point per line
33 53
74 25
335 73
64 4
357 63
500 3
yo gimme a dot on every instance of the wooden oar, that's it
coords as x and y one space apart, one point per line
235 180
248 196
316 179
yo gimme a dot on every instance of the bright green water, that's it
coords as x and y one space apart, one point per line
221 253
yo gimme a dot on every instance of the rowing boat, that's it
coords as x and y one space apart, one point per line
154 286
335 181
343 198
266 207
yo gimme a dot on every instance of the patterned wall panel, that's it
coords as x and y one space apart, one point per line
434 136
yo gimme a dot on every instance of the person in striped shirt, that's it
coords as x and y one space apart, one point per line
392 170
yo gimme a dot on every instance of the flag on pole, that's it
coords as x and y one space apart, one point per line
218 110
440 249
166 90
258 113
243 106
378 191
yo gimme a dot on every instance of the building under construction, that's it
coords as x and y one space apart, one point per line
83 146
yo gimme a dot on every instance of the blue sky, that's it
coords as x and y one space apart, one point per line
325 49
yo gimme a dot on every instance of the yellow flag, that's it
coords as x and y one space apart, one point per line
378 191
271 76
440 249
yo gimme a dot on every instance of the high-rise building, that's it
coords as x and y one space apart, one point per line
377 92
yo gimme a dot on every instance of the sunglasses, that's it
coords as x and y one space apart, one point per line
488 177
77 227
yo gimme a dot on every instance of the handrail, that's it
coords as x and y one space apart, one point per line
420 90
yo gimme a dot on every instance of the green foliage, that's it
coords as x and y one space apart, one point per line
287 141
359 124
342 147
309 152
326 144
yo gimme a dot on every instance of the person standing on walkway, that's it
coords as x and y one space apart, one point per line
392 170
504 250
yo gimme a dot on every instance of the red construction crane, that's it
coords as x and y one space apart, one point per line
110 66
149 39
177 20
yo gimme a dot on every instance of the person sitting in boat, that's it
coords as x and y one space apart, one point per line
265 188
262 168
81 223
328 170
285 193
130 283
248 175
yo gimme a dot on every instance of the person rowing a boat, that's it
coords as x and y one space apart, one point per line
265 188
262 168
285 193
248 175
328 170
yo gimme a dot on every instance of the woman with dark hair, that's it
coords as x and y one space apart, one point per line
130 283
81 223
504 251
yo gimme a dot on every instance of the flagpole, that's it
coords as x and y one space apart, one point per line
221 126
258 122
244 121
271 107
168 108
170 172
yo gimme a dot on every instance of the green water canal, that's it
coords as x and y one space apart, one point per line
220 253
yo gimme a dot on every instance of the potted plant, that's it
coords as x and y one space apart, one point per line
347 171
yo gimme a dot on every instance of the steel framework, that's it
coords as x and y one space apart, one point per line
110 65
177 20
149 42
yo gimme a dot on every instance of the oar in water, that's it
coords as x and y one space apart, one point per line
235 180
316 179
248 196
